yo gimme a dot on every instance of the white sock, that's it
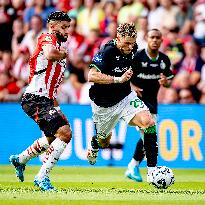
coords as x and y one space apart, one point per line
151 170
52 155
37 148
133 163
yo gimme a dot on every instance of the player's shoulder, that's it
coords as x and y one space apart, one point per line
163 56
109 46
140 53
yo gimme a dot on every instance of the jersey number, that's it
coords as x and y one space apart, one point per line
137 103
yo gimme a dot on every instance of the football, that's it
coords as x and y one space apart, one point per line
163 177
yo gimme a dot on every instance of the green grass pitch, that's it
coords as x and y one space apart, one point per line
95 185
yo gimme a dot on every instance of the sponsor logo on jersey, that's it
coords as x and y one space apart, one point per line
119 70
148 76
144 64
153 65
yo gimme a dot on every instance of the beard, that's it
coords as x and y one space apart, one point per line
60 37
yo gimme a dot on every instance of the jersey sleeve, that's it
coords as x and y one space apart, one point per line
100 60
168 70
47 39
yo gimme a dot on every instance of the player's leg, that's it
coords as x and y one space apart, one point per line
96 144
105 120
38 147
56 124
136 113
19 161
144 120
133 171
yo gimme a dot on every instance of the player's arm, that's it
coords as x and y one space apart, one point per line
51 53
96 76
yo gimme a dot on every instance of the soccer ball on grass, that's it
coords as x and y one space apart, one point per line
163 177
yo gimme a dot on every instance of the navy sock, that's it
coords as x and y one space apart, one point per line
139 151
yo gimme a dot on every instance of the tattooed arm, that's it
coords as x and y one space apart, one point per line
101 78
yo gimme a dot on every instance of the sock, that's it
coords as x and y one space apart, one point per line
38 147
139 151
133 163
150 170
150 145
53 153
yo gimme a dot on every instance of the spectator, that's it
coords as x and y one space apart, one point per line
77 7
110 16
130 11
36 29
142 23
186 96
6 62
39 8
184 16
153 16
20 70
186 66
6 21
17 38
173 46
89 18
111 32
199 23
167 11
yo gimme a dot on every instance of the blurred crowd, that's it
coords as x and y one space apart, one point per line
94 22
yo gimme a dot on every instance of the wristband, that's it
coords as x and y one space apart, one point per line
117 79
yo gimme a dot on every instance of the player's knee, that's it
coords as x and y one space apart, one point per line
64 133
148 122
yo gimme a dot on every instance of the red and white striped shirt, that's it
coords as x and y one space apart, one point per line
45 75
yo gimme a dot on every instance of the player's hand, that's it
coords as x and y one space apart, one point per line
163 79
138 91
126 76
65 52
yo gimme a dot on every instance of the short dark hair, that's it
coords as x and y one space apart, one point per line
154 29
58 16
127 30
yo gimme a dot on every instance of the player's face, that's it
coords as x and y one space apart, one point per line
62 30
126 44
154 40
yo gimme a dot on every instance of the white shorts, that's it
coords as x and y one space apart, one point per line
105 119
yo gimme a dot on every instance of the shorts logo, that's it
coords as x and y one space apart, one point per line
51 112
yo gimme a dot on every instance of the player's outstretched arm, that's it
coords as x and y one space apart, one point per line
101 78
51 53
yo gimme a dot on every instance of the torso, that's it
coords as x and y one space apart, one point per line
112 62
147 74
45 75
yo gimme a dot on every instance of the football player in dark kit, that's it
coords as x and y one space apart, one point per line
113 99
152 70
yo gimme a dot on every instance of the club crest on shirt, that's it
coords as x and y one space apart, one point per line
48 38
162 65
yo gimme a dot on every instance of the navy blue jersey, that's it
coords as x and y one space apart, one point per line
147 73
110 60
